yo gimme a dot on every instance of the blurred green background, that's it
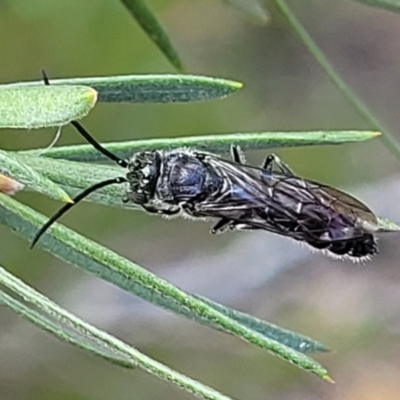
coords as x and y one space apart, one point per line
351 308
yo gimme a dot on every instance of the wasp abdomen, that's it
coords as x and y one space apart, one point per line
363 246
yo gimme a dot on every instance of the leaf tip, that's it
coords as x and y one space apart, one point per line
64 197
236 85
92 96
327 378
320 348
376 134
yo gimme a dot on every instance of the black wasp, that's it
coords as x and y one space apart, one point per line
202 185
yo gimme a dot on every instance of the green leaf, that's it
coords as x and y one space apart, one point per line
77 176
74 176
150 88
43 106
390 5
218 143
149 23
254 9
72 329
11 167
100 261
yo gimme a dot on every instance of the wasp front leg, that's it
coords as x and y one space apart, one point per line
274 161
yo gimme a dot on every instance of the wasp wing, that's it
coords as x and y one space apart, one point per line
254 198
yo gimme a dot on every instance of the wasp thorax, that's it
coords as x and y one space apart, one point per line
143 172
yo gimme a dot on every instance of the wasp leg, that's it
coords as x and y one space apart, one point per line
273 160
221 226
170 211
237 154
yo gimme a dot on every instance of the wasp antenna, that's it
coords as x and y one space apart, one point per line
75 201
89 138
45 78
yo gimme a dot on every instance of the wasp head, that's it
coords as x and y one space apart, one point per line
143 172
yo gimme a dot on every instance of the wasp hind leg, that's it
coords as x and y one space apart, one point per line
274 161
221 226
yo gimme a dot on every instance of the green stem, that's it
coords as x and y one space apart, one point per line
388 138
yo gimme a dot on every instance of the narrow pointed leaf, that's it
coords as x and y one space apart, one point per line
149 23
150 88
43 106
82 252
390 5
12 168
218 143
72 329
